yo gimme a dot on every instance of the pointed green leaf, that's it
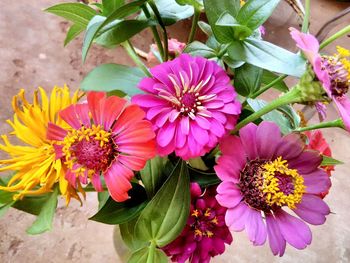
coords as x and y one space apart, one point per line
268 77
77 13
44 220
148 255
238 31
197 48
72 33
255 12
157 221
247 79
268 56
114 213
152 175
327 161
109 77
111 5
127 234
4 208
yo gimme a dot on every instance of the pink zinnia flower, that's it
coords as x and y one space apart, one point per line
106 137
191 104
262 173
205 233
318 142
332 71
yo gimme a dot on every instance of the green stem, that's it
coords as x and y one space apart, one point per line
331 124
132 53
292 96
195 19
306 22
162 25
337 35
155 33
152 249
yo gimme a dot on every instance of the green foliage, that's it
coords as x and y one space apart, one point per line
5 207
110 77
255 12
197 48
330 161
148 255
108 6
268 56
72 33
237 30
203 178
198 4
268 77
127 234
274 116
247 79
157 222
152 175
114 213
44 220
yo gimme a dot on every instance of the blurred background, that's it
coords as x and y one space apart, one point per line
32 55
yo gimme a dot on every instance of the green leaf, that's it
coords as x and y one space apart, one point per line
110 5
328 161
166 214
171 12
77 13
233 64
149 255
5 207
32 204
214 9
197 48
98 24
255 12
44 220
247 79
123 31
238 31
114 213
268 56
290 113
268 77
72 33
198 4
152 175
204 179
102 198
273 116
127 234
109 77
205 28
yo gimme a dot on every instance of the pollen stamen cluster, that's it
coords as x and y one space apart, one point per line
90 149
203 222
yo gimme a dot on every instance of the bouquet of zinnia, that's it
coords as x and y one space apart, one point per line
183 154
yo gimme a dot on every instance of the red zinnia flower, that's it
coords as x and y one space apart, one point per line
105 137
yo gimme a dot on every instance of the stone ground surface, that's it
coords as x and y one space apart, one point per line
32 55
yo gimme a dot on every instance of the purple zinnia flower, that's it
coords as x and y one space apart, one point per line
205 233
262 173
332 71
191 104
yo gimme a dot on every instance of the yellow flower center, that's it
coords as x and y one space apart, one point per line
283 186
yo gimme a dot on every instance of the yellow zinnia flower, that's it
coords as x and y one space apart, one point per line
35 164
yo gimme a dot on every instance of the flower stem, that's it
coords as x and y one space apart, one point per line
152 249
268 86
306 21
336 123
132 53
292 96
337 35
162 25
195 19
155 33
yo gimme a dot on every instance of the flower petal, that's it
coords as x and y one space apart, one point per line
312 209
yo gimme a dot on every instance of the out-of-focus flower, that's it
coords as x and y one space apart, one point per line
175 48
318 142
191 104
37 169
262 173
104 137
205 233
332 71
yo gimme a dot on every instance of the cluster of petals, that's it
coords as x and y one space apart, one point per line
205 233
191 105
106 136
310 47
249 209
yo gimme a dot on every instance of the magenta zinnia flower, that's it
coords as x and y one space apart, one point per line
262 174
332 71
191 104
205 233
105 137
